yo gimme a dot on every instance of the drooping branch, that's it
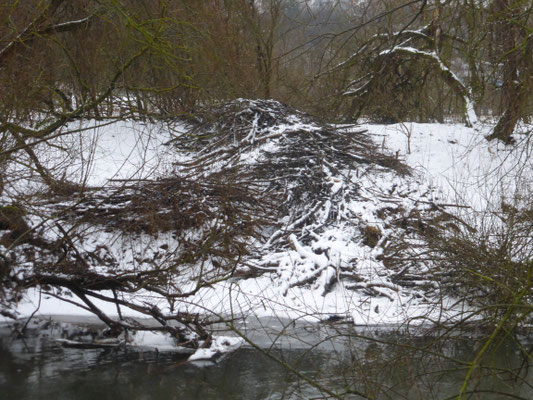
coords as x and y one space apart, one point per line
364 86
452 80
404 37
387 55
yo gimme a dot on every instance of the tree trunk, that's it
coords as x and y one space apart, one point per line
510 117
513 97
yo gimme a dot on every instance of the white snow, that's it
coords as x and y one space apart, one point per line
220 345
467 169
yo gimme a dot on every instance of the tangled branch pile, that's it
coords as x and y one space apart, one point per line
258 188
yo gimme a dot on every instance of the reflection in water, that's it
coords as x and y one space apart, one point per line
37 367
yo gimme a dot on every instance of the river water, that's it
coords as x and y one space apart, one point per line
380 362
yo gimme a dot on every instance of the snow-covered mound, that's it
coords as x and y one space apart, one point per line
266 211
335 200
316 188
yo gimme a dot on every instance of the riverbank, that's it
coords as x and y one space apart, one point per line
317 222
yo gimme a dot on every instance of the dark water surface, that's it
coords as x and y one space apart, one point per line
38 367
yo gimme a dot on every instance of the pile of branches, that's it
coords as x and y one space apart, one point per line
254 178
307 171
282 154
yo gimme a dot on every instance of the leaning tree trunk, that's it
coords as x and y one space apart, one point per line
513 93
514 101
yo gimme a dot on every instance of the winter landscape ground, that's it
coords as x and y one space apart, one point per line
322 222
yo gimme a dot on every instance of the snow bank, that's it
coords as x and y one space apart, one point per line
220 346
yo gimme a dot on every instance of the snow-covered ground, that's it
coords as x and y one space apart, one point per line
455 167
467 169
